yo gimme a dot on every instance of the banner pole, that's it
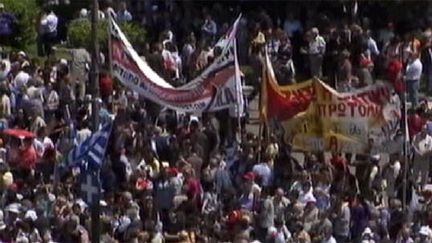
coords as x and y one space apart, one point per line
94 80
239 94
405 151
110 46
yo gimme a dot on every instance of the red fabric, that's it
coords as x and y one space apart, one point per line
193 187
394 69
106 85
339 162
234 216
365 62
284 102
142 184
250 176
415 124
28 157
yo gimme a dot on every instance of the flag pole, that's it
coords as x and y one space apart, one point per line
239 94
94 79
110 46
262 104
406 157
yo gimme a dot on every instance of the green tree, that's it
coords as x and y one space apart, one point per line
79 33
27 13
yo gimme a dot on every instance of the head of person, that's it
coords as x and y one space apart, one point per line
122 6
412 56
314 32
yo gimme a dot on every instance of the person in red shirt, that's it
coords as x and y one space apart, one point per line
105 85
394 74
26 161
415 121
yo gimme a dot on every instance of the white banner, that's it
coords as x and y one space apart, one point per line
217 88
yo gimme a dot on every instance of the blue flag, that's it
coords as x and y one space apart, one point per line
92 150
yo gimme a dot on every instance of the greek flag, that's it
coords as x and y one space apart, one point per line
92 150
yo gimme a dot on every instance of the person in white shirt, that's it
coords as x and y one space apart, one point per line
5 104
412 77
49 31
422 146
372 45
315 51
264 171
21 80
83 133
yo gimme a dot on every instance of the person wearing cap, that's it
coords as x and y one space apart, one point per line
367 236
315 51
422 146
7 25
425 234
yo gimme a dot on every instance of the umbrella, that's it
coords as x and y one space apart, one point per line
19 133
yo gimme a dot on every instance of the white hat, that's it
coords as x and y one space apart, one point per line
376 157
83 13
367 231
81 203
425 231
22 53
103 203
1 5
51 197
13 208
31 214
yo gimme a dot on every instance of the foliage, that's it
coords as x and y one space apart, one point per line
79 33
27 13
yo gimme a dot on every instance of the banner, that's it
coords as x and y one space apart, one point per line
282 102
215 89
315 117
354 122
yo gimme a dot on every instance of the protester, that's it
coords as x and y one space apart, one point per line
8 23
169 176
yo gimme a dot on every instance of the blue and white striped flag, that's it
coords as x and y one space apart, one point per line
92 150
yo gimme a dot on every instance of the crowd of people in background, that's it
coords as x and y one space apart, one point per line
172 177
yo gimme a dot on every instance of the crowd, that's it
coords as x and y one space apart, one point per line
186 178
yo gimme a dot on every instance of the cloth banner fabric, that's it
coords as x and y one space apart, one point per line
217 88
282 102
355 122
315 117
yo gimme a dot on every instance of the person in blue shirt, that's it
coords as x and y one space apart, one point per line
123 15
7 23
